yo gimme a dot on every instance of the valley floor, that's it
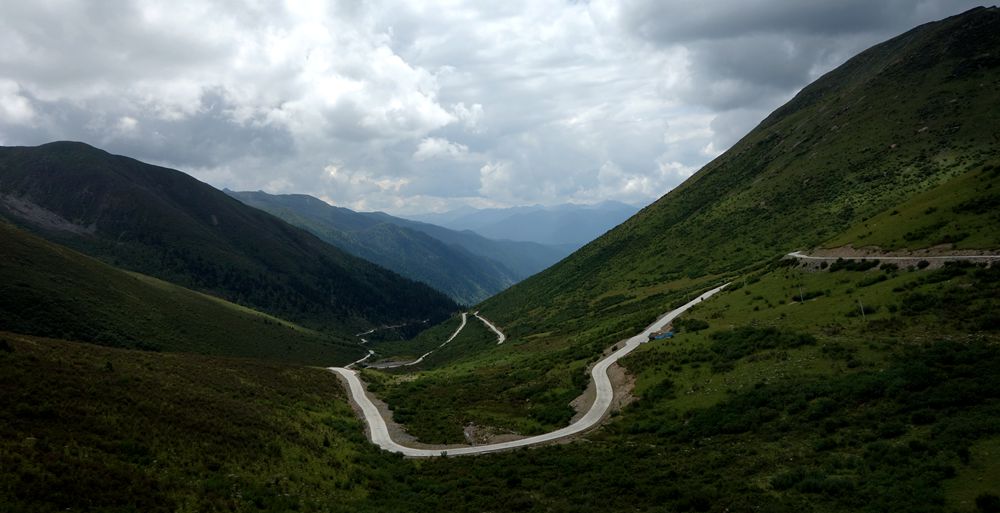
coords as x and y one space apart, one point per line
379 432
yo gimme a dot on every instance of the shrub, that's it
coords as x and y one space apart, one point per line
690 325
853 265
917 303
988 503
872 280
788 479
739 342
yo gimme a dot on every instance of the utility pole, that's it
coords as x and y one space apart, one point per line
801 296
862 307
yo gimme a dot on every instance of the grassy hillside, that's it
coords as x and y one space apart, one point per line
775 405
49 290
847 149
961 214
859 387
465 277
88 428
164 223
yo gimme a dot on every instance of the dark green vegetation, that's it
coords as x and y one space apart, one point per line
164 223
911 115
49 290
426 404
397 347
812 413
88 428
466 277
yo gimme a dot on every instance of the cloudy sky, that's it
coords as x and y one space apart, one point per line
415 106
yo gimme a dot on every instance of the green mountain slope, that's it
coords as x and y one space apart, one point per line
962 213
50 290
167 224
849 148
465 277
770 419
89 428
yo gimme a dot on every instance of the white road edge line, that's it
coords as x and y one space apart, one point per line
379 433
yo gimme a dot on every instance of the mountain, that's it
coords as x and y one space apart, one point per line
898 149
782 393
50 290
567 225
523 258
898 119
466 277
164 223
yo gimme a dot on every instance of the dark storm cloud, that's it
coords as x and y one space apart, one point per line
746 58
690 21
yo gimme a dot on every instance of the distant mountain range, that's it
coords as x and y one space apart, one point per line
466 277
569 225
164 223
464 265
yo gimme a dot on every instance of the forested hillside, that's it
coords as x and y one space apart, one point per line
164 223
466 277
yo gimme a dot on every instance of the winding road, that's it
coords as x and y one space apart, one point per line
425 355
500 336
378 432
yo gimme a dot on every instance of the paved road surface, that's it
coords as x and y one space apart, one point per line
379 433
500 336
982 258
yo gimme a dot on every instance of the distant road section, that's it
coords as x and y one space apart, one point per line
500 336
378 432
367 356
425 355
